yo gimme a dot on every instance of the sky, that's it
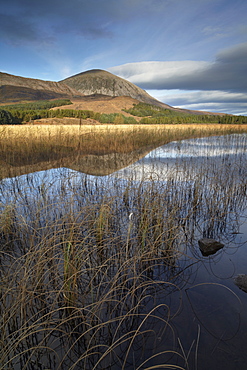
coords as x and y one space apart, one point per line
186 53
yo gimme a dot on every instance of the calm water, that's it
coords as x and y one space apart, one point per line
207 311
210 311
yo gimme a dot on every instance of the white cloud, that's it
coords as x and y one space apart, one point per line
213 101
218 86
228 72
207 97
154 72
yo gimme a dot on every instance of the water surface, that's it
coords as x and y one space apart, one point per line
203 183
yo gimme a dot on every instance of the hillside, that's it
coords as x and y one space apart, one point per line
97 81
15 88
103 104
15 94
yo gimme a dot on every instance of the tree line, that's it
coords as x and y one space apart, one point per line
24 112
226 119
14 116
27 112
37 105
156 115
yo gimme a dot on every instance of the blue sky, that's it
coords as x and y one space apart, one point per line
186 53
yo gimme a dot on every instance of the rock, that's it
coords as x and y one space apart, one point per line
209 246
241 282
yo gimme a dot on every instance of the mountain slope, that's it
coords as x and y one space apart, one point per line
14 94
15 88
97 81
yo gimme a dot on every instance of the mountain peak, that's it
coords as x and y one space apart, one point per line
98 81
89 72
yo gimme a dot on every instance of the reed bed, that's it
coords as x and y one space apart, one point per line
29 148
88 265
25 143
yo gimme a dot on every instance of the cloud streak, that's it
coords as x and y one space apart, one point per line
218 86
228 72
216 101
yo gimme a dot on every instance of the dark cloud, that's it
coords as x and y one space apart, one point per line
28 20
228 73
96 33
219 86
90 19
119 9
14 29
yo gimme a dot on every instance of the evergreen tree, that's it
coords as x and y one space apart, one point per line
6 117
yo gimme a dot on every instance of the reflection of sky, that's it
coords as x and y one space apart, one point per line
49 200
184 160
53 183
209 146
180 160
57 192
61 188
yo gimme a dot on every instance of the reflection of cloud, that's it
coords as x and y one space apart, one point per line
178 158
228 72
202 147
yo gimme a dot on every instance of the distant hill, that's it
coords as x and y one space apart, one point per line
97 81
15 88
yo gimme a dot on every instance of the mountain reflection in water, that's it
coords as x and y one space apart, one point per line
192 306
186 158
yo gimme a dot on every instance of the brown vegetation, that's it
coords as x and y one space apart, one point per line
89 148
103 104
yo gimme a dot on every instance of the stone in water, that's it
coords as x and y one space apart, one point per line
209 246
241 282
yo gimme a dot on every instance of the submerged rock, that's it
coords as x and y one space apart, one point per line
209 246
241 282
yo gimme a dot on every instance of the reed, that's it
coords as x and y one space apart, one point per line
88 267
25 144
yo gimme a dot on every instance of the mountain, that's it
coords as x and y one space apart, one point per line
97 81
94 85
15 88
